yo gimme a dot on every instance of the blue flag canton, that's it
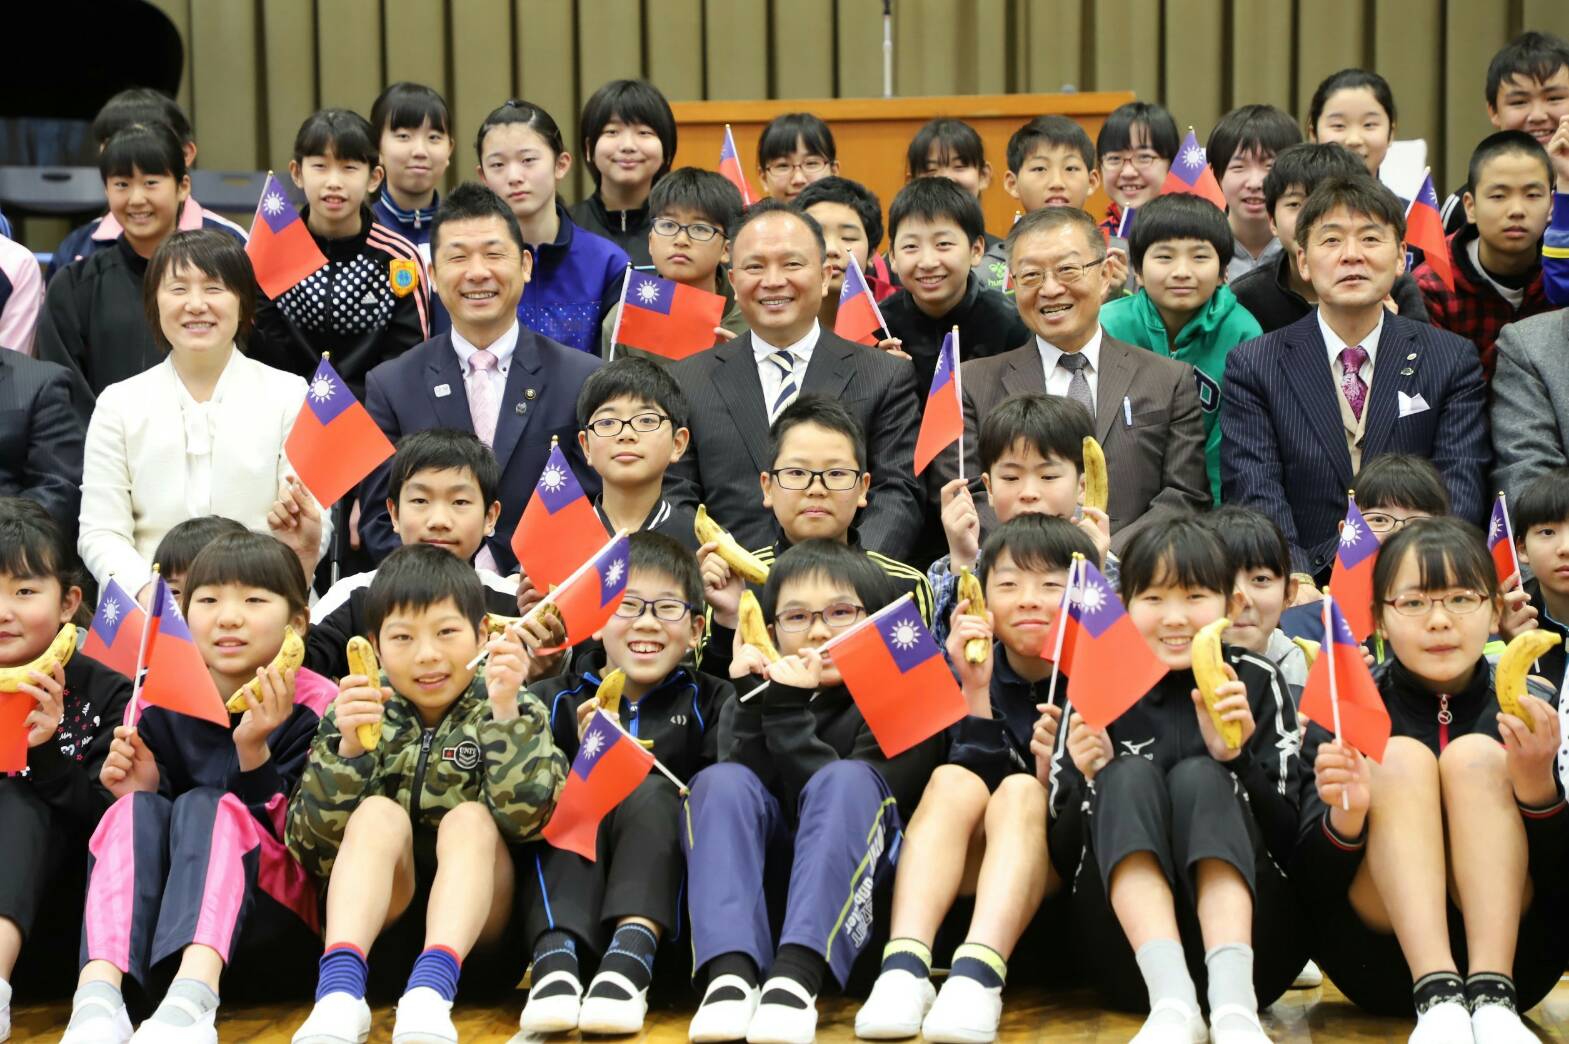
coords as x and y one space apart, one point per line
611 566
112 611
1093 603
599 737
1190 161
854 282
1497 525
945 363
169 619
1426 195
1357 542
727 151
1341 629
327 395
275 208
651 293
907 640
558 486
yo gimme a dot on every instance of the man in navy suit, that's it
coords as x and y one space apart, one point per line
1305 406
41 436
488 375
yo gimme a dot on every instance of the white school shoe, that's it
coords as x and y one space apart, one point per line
424 1017
1446 1023
5 1022
725 1019
106 1026
558 1013
1241 1026
780 1023
1184 1026
1311 977
894 1009
202 1030
966 1012
1496 1024
337 1018
613 1015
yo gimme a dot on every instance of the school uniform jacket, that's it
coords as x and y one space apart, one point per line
576 282
101 232
988 325
627 229
64 770
997 747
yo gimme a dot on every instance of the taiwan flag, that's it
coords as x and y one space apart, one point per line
943 422
858 319
666 317
1425 231
609 766
588 598
1191 173
1351 582
281 247
1110 666
14 709
115 637
1339 681
898 677
334 442
177 678
1501 542
560 530
730 167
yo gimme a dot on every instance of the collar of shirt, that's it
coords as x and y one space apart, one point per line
1334 345
502 348
802 349
1050 353
656 517
1512 294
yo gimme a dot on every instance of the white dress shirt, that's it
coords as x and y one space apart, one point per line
768 373
502 348
1058 378
1334 346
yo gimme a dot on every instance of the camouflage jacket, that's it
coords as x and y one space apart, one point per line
512 767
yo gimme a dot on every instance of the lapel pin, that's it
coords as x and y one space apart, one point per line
1408 371
520 409
442 390
528 393
1411 357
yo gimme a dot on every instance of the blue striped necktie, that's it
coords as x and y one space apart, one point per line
789 389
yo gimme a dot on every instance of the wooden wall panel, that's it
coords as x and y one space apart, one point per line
803 46
736 49
222 48
673 47
1472 33
858 50
1320 53
1261 54
1194 39
1049 46
289 68
1127 47
1406 36
348 49
415 43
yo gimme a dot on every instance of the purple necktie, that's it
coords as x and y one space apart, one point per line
1352 386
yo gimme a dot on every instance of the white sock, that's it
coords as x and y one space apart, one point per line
5 993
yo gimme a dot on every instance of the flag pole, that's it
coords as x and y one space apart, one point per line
660 765
1075 576
133 712
958 390
1509 534
615 331
836 639
1328 649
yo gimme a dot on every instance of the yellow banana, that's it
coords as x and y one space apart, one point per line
290 655
745 564
751 627
59 652
976 649
1309 649
608 695
1097 488
1209 670
362 660
1514 664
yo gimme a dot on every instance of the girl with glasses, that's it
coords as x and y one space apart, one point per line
793 151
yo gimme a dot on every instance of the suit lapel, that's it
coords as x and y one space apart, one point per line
736 381
527 384
1025 374
831 368
451 406
1389 379
1304 365
1112 384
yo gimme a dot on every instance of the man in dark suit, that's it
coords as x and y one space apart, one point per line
40 437
1305 406
488 375
1146 407
737 389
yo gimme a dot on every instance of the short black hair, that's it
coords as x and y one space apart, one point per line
1534 55
935 198
32 544
417 576
825 412
1401 480
473 199
637 378
1116 134
408 106
516 110
1184 552
828 559
1250 128
1506 143
251 559
630 101
764 207
779 139
953 139
708 194
1036 542
180 546
1049 219
1251 539
1362 195
1350 80
1450 553
658 553
149 148
1054 425
444 449
338 132
853 194
1544 501
1305 166
212 252
139 105
1056 131
1180 215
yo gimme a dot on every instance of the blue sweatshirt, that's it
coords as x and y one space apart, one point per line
1555 252
576 282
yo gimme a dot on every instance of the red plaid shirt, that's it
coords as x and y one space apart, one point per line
1476 310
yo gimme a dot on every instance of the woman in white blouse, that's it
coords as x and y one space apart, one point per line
202 432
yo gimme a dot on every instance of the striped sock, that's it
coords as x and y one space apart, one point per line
910 955
436 968
343 970
981 963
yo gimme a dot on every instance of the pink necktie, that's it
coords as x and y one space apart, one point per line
1351 383
484 403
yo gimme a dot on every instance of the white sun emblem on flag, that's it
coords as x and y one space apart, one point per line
592 744
1350 534
273 204
111 610
1091 599
904 635
1494 528
322 388
648 292
553 479
1193 156
613 573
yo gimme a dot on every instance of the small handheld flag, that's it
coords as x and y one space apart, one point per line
858 318
588 598
334 443
898 677
177 678
114 639
1425 231
1340 691
1190 172
1125 223
281 247
943 422
665 317
1501 542
730 167
609 766
14 709
559 530
1110 666
1351 582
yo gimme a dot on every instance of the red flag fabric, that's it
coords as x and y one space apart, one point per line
858 319
1425 231
177 678
1351 581
609 766
666 317
898 677
1190 172
334 443
943 422
1501 541
1339 674
115 637
560 530
1110 666
589 597
14 709
281 247
730 167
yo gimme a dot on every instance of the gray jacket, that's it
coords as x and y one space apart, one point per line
1531 401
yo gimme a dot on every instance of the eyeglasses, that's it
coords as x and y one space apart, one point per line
1379 522
1417 603
1113 161
1067 275
811 166
834 480
669 610
697 231
836 617
610 427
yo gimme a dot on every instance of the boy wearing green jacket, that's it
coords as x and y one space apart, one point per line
1180 248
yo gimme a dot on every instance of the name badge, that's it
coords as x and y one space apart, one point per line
442 390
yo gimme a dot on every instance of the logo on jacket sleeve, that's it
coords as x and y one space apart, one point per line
1209 391
465 755
403 275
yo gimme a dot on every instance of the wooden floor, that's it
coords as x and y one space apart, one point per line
1319 1016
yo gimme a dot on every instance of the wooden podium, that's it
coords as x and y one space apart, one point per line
873 133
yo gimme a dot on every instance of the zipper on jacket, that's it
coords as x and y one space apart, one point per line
623 221
1444 718
632 714
426 737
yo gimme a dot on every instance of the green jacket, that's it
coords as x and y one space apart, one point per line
1203 344
512 767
